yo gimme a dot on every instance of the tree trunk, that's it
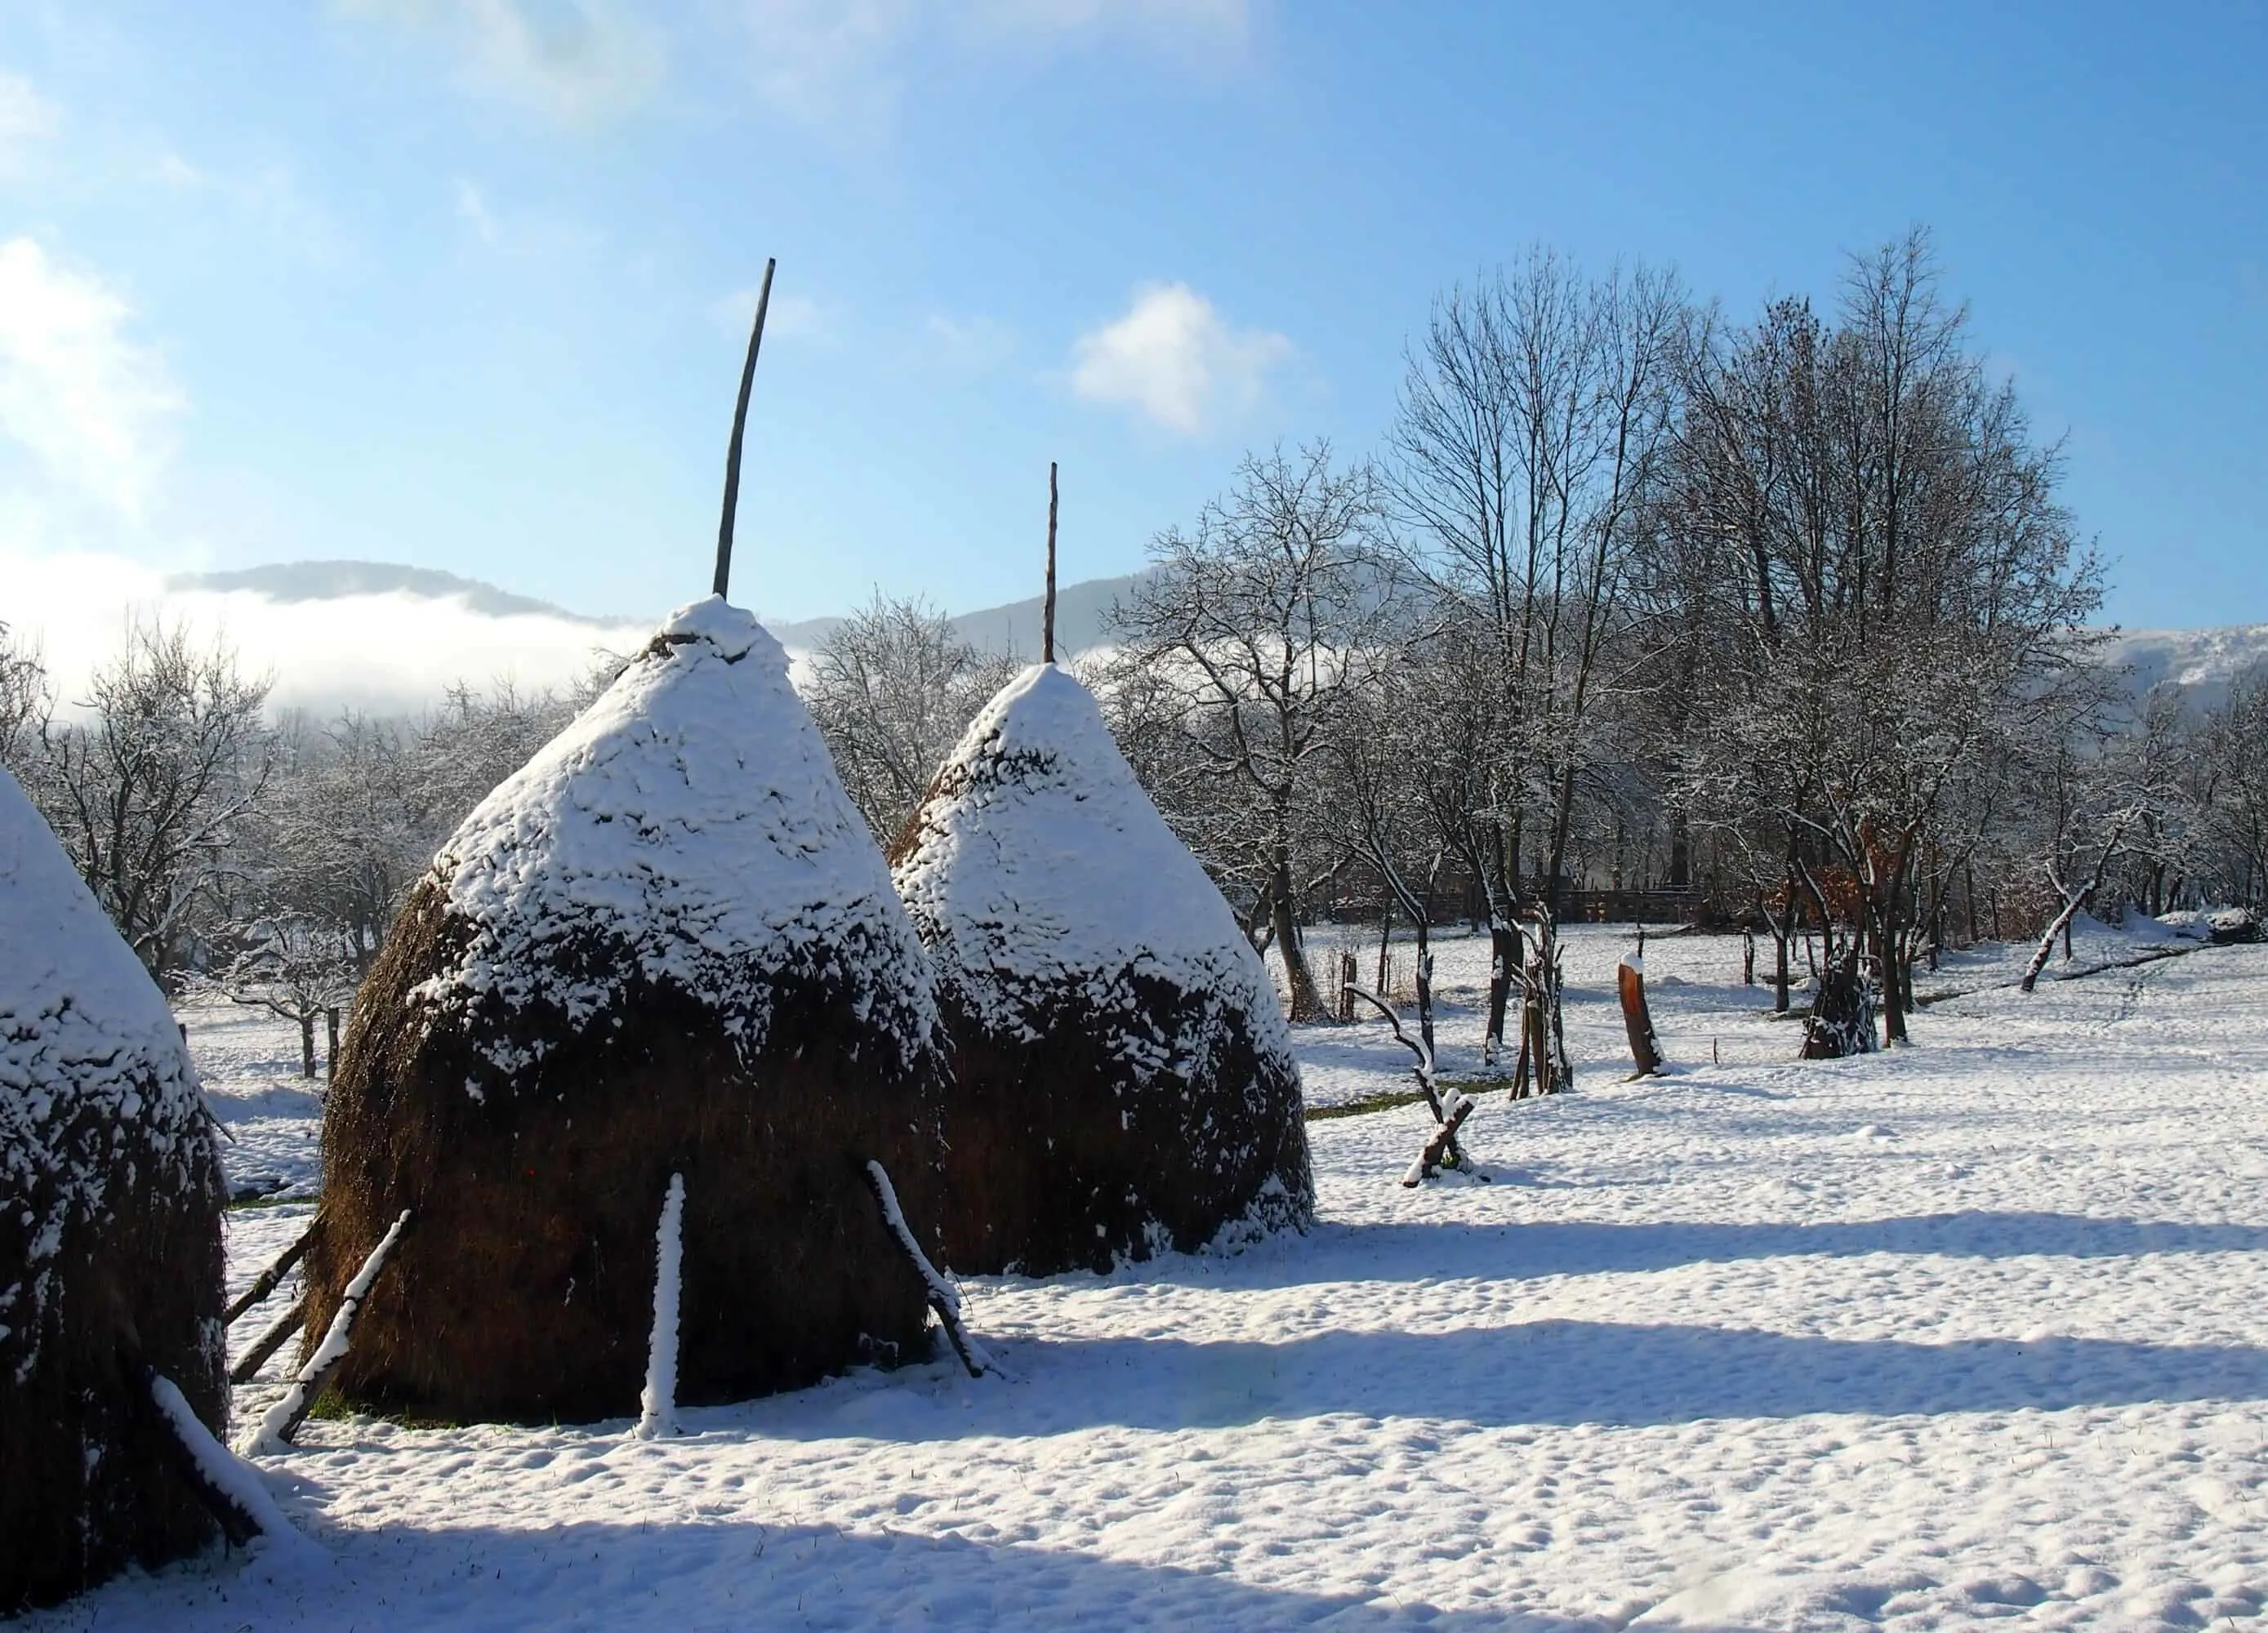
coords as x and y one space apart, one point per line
307 1043
1504 951
1306 1002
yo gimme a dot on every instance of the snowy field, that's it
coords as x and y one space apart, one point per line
1972 1333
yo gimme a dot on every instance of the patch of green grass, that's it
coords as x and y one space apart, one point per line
1367 1104
329 1406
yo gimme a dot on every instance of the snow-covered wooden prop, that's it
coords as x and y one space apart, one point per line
667 945
1638 1019
658 1403
1123 1075
231 1492
1450 1109
944 1297
282 1421
110 1252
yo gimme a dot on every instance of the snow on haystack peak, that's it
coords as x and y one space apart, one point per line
1037 865
691 823
93 1074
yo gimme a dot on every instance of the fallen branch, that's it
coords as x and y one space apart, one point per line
283 1419
268 1278
944 1297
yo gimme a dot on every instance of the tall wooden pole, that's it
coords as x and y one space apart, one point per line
739 426
1047 610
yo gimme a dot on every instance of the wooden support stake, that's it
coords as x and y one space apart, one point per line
284 1417
740 427
266 1282
269 1342
1048 607
944 1297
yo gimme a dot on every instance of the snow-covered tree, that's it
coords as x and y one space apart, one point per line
892 687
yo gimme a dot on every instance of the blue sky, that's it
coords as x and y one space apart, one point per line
464 282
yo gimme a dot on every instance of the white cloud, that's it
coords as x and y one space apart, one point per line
26 120
576 62
90 406
1173 359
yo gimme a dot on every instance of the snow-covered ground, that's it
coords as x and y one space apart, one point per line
1972 1332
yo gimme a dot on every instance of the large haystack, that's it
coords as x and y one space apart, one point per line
110 1256
666 946
1124 1079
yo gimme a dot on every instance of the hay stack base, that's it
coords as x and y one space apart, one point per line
110 1250
1123 1078
667 946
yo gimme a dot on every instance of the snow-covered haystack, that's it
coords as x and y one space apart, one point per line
1124 1076
110 1251
666 946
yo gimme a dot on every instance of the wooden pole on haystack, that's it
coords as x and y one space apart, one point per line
1048 606
739 426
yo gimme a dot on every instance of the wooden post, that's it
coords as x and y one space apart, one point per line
1637 1020
331 1054
739 426
1048 606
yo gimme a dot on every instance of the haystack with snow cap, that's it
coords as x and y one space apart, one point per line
110 1252
1124 1076
665 946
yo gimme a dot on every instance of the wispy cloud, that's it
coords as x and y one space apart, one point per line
789 316
574 62
92 406
516 231
1173 359
845 64
975 343
26 120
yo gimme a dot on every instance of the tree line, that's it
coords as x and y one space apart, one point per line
1781 616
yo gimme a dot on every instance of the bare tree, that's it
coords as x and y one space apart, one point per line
150 792
892 688
1530 424
1258 630
297 967
1893 601
26 704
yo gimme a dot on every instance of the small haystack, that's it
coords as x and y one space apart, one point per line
110 1254
665 946
1124 1079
